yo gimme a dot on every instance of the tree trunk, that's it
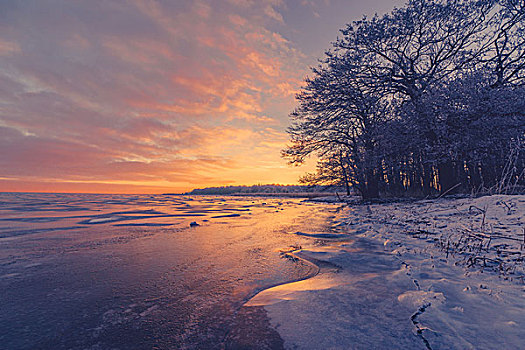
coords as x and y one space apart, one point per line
426 179
372 185
345 174
446 176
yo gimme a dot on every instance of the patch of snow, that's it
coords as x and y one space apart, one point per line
149 310
416 298
321 235
101 220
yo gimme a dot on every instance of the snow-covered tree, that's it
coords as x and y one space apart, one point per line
424 99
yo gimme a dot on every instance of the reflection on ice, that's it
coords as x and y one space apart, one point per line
114 271
290 291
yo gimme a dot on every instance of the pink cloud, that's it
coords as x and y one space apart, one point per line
8 47
146 91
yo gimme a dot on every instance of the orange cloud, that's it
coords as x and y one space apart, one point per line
156 95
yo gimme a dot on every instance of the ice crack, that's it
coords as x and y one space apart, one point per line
419 329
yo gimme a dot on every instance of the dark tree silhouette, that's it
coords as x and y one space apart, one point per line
427 99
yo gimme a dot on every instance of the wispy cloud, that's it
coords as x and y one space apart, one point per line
178 94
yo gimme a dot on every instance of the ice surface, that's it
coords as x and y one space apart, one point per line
135 276
445 274
27 213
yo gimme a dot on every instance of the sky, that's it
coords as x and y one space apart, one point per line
146 96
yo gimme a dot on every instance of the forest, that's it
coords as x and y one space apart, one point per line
256 189
424 101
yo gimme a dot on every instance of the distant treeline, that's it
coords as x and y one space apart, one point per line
226 190
427 99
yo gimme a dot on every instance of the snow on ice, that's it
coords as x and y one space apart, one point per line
432 274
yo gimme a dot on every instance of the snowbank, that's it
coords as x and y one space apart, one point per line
435 274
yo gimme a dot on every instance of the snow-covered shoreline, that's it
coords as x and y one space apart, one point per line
434 274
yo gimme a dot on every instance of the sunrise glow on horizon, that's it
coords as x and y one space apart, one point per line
154 97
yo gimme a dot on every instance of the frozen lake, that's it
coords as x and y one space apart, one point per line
80 271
